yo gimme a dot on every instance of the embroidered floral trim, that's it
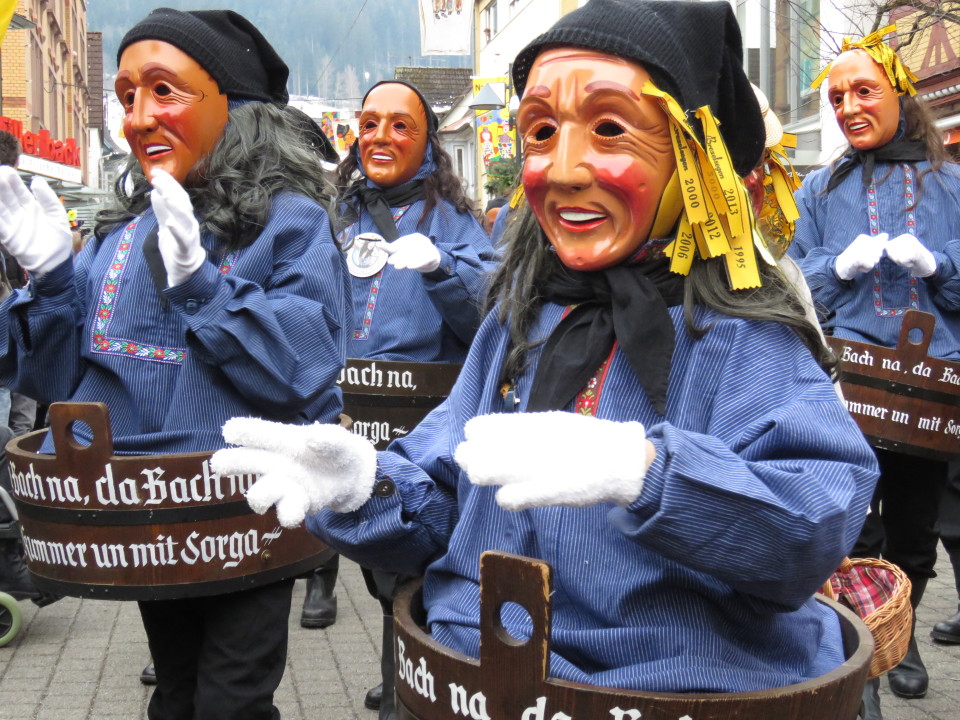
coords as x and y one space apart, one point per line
227 265
873 216
589 397
101 340
363 332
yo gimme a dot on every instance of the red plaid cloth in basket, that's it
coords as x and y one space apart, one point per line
863 589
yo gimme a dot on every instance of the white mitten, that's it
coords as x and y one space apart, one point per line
862 255
33 223
555 458
301 468
908 252
414 252
179 235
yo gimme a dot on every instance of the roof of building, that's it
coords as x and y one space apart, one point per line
441 86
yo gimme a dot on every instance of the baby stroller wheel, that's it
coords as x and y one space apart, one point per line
10 618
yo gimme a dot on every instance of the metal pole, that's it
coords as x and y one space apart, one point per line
764 53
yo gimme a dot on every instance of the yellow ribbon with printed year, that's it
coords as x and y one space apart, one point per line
785 180
731 188
779 213
900 76
717 218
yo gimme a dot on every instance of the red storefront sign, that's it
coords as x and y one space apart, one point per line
41 144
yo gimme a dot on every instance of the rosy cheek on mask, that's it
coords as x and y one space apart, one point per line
177 118
535 182
624 177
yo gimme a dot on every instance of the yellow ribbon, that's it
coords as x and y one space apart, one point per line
717 218
900 76
779 212
681 249
669 209
516 200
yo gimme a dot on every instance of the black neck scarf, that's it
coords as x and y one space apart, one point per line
896 151
627 304
378 201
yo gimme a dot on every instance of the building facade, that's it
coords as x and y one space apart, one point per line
45 96
501 30
799 37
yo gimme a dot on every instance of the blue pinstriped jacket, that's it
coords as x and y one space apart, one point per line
759 488
429 317
869 308
259 332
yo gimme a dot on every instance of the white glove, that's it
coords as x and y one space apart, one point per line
861 255
179 235
302 468
413 252
908 252
33 223
555 458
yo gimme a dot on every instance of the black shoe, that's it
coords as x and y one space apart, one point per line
909 679
148 676
371 701
45 599
870 705
320 603
948 631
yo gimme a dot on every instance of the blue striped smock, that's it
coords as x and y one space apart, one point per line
869 308
423 317
759 488
258 332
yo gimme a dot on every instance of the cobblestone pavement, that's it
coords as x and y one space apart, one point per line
81 660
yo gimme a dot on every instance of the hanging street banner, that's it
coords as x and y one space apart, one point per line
445 27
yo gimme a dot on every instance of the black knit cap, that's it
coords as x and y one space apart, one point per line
692 50
433 122
225 44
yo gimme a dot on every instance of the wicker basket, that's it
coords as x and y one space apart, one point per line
879 592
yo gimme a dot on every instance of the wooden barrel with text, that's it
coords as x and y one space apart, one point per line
386 399
142 527
510 679
902 399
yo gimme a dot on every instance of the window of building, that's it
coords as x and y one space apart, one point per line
36 88
490 26
806 38
53 113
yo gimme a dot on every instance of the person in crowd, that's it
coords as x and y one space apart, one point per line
664 434
505 213
418 285
17 411
15 579
878 234
948 631
491 212
320 598
220 249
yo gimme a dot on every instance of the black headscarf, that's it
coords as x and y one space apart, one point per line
626 303
895 151
692 50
